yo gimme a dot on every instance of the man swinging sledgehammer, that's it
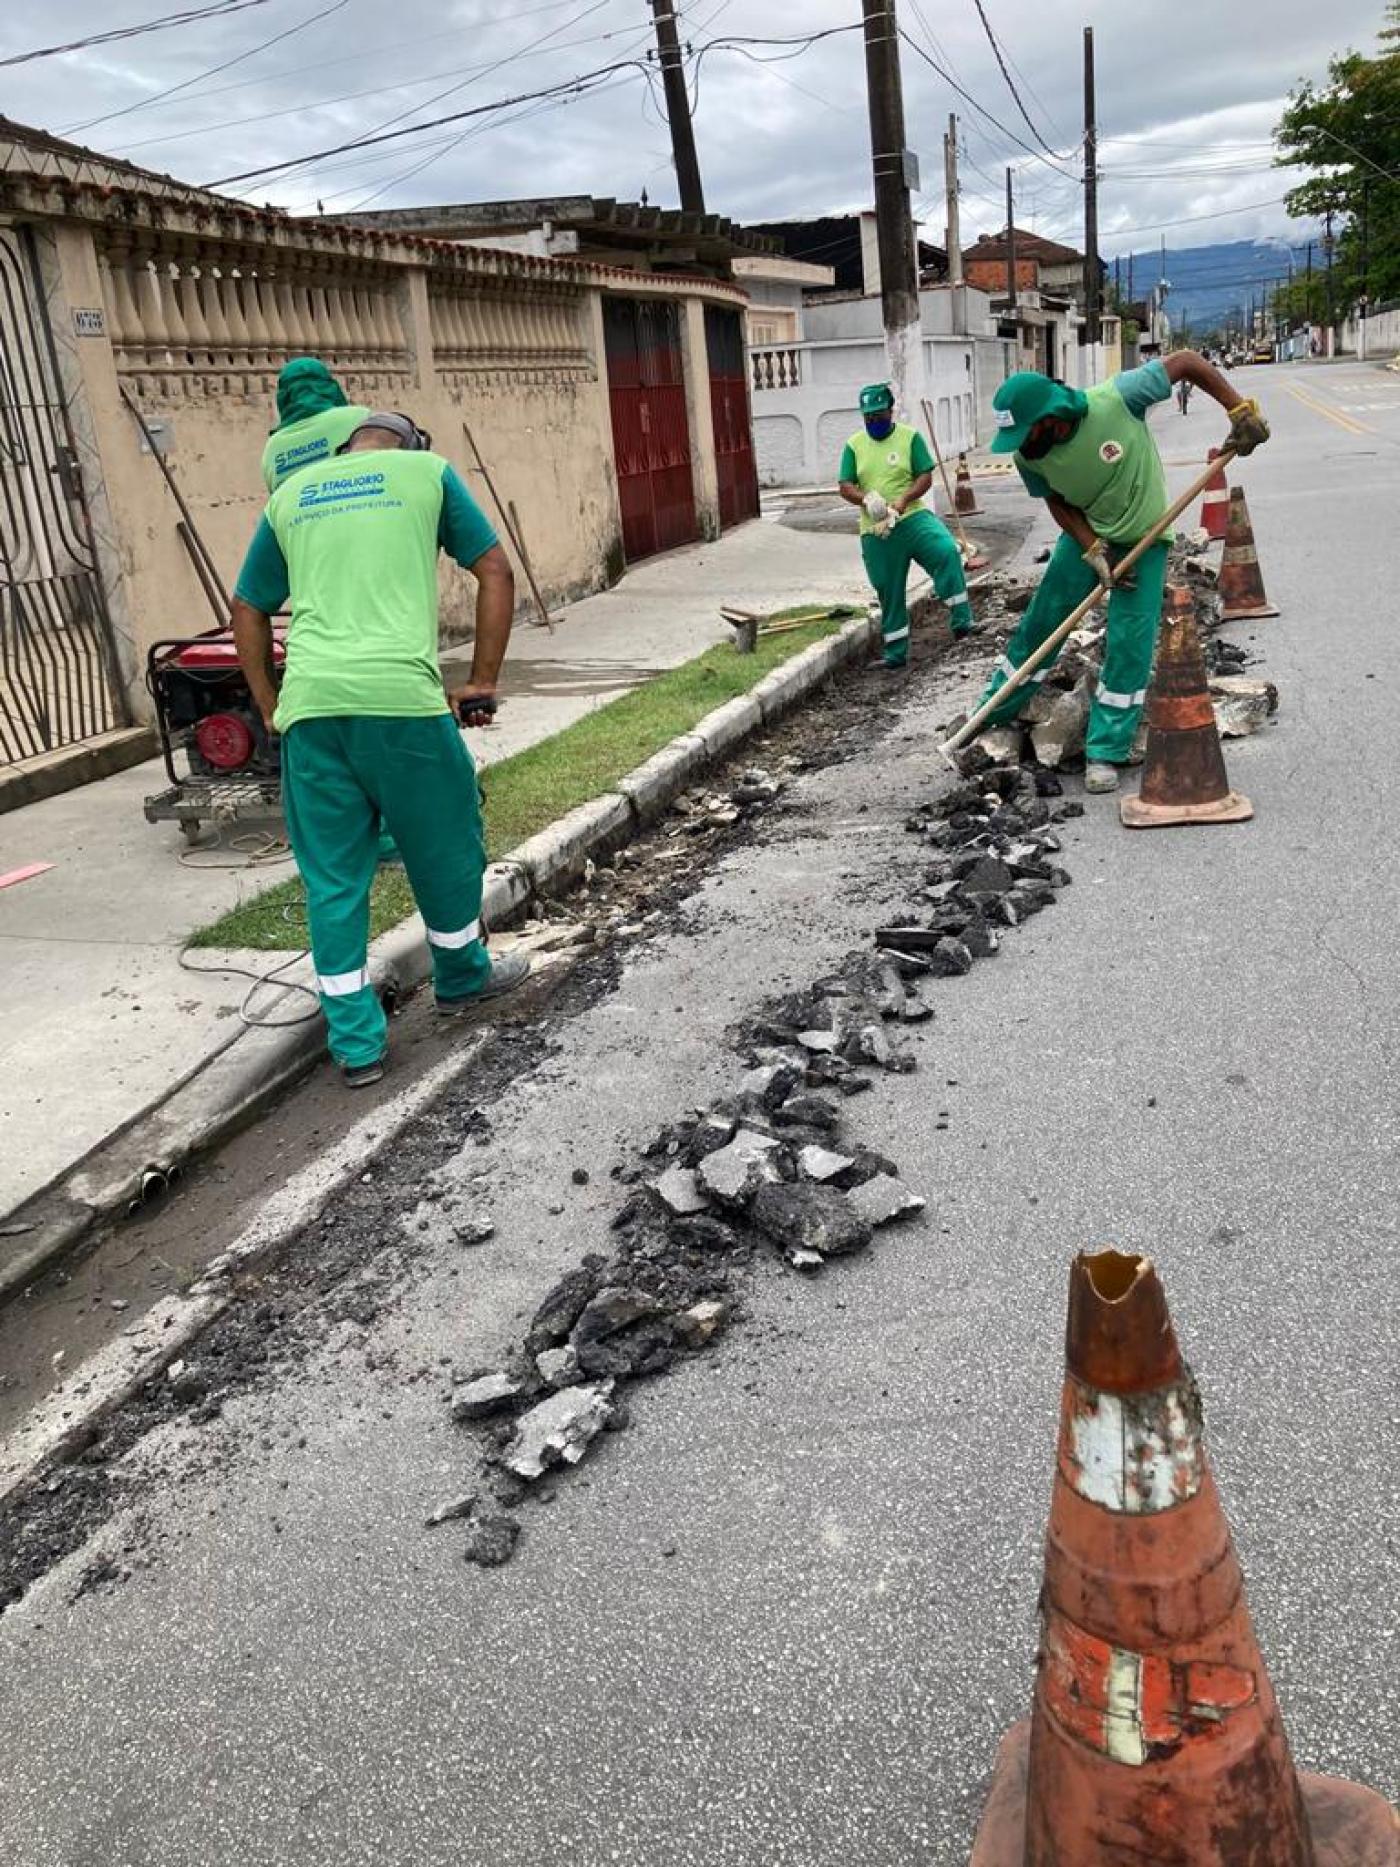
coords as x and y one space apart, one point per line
1090 456
886 468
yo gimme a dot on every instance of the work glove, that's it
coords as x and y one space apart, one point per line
875 508
1248 428
1096 557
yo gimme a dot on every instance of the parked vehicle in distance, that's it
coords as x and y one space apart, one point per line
1263 353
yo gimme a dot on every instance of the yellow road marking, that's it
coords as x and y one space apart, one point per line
1320 407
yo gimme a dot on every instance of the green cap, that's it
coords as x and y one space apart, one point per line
1026 398
875 398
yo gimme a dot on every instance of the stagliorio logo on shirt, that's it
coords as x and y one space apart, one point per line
358 492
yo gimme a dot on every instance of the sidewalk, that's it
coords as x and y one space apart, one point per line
103 1024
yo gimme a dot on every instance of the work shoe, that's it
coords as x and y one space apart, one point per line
506 973
362 1075
895 667
1099 776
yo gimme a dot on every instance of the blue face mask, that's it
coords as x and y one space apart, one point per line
879 427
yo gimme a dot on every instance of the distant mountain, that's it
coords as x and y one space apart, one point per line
1208 283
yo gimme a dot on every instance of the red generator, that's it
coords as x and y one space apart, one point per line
223 765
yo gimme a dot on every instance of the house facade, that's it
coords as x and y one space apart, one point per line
610 404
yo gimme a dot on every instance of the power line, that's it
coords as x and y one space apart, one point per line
1010 81
963 92
347 97
192 17
185 83
576 85
584 81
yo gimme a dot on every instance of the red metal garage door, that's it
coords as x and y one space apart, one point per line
651 439
729 403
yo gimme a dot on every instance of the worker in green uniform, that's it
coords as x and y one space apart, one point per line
1089 455
886 469
367 728
314 420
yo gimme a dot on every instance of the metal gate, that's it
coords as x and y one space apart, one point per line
651 436
729 405
56 686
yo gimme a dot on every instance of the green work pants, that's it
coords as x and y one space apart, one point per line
918 538
340 779
1134 612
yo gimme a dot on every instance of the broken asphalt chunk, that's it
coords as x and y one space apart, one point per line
810 1218
822 1163
882 1199
558 1430
491 1540
487 1394
732 1175
679 1190
702 1321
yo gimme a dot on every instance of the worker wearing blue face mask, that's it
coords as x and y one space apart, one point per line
886 468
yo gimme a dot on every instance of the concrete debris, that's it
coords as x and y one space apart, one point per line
491 1540
822 1163
561 1309
883 1198
475 1231
1059 732
484 1395
801 1259
679 1190
711 1132
810 1218
733 1174
951 958
756 787
818 1042
454 1508
1001 745
625 1331
558 1367
704 1232
771 1084
1242 706
702 1321
558 1430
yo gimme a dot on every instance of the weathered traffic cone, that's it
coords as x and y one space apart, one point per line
1215 501
1241 582
1154 1738
1183 771
964 493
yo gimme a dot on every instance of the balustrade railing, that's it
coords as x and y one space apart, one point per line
778 368
188 316
533 331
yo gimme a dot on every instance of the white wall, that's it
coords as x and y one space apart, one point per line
799 430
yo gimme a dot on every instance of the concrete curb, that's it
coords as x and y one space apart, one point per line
241 1080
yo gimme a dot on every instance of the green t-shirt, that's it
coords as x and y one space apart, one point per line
302 443
887 467
1110 467
354 542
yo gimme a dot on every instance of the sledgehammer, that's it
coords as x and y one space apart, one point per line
1076 616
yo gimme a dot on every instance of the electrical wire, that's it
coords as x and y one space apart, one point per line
191 17
345 97
1010 81
577 85
982 110
227 65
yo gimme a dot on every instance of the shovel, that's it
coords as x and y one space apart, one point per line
972 557
1077 615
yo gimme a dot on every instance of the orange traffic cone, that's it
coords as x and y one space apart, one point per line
1183 773
1215 501
1154 1736
1241 581
964 493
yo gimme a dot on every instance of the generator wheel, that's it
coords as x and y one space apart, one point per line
191 829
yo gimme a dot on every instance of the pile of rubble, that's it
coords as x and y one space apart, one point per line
994 866
1052 726
767 1167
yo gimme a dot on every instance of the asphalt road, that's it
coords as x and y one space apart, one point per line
784 1617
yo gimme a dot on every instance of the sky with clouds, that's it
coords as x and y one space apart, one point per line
1187 99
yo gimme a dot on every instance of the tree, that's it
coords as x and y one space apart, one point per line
1347 133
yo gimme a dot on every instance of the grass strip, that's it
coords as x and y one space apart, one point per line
528 792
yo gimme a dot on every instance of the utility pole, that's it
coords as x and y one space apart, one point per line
678 107
896 173
953 234
1363 303
1328 342
1308 297
1092 293
1010 244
